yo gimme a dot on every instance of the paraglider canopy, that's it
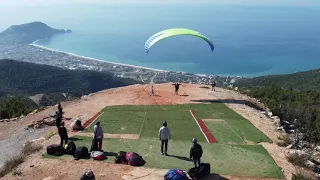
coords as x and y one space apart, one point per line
174 32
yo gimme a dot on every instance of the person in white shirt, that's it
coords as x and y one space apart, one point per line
97 136
164 135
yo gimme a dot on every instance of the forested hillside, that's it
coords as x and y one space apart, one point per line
293 97
19 80
308 80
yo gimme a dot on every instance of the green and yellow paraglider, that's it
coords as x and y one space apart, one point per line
174 32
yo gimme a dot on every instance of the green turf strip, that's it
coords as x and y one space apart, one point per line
224 133
234 160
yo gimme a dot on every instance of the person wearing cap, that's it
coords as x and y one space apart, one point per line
164 135
88 175
98 135
196 153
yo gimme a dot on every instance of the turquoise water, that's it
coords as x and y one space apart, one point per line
250 40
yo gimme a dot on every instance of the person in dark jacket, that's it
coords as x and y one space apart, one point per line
63 134
58 117
60 108
176 87
213 85
88 175
196 153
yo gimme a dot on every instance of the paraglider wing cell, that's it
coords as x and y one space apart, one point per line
174 32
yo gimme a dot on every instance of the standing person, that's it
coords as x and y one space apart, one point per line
60 108
213 84
98 135
164 135
176 86
63 134
152 91
58 117
196 153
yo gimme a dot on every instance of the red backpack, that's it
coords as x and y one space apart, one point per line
134 159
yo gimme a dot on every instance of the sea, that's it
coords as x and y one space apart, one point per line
250 39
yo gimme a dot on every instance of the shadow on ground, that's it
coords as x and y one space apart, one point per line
75 139
110 154
233 101
214 176
185 95
180 157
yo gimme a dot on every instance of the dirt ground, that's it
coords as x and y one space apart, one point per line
36 167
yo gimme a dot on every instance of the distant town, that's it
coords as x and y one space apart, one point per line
40 55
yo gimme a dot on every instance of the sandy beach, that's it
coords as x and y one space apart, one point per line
90 58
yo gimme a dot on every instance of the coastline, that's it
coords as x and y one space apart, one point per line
94 59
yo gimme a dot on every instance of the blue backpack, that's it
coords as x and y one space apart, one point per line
175 174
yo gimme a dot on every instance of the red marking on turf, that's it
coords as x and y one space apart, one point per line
205 129
89 121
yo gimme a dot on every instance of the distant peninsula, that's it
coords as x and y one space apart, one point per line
28 33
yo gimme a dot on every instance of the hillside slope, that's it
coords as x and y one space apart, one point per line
308 80
88 106
21 78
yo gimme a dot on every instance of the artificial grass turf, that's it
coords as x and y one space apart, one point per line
148 119
234 160
224 133
123 122
240 125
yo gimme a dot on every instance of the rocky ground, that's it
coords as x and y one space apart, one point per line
13 134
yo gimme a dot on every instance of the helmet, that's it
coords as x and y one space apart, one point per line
89 174
164 123
194 140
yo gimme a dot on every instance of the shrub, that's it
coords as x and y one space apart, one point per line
300 177
17 172
285 141
298 160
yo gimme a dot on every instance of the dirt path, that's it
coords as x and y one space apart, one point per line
113 136
88 106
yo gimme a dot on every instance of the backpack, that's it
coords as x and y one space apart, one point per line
136 160
121 158
81 152
204 170
97 155
55 149
175 174
78 123
70 148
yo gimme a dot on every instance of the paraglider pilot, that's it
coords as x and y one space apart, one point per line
176 86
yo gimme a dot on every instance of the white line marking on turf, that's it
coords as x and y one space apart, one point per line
235 132
199 126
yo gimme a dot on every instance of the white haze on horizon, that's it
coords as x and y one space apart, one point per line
74 2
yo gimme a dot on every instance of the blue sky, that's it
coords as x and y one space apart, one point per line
51 2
